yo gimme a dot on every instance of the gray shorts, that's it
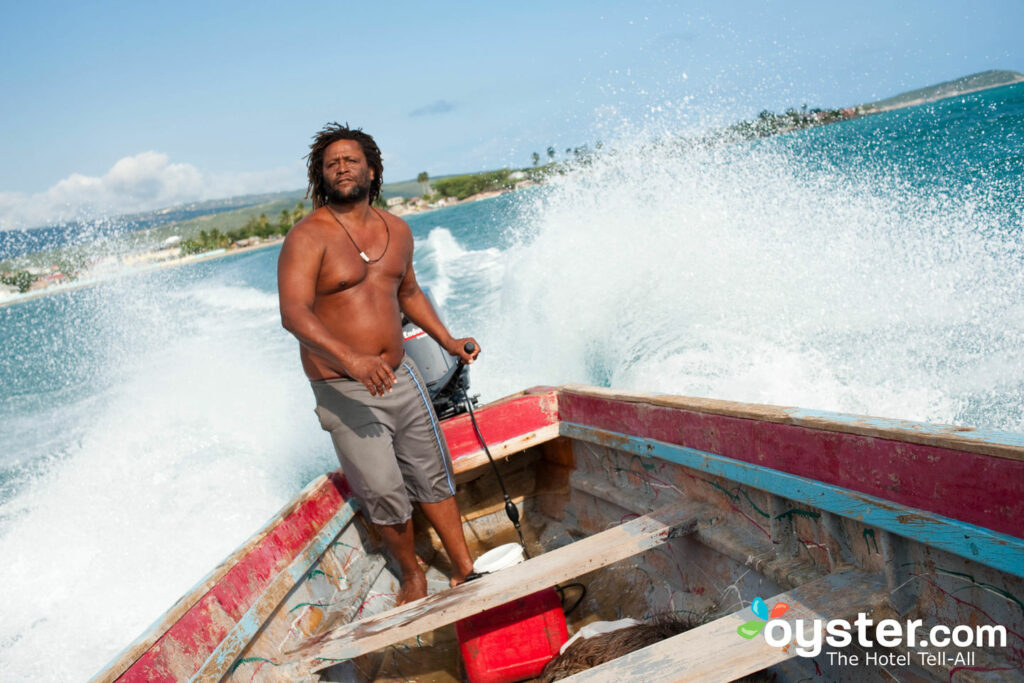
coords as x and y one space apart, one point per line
391 448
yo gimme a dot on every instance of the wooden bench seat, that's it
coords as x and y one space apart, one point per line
410 620
716 652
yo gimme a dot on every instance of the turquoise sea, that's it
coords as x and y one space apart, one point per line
152 423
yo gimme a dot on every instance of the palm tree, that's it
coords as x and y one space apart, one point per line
536 158
423 179
551 153
284 222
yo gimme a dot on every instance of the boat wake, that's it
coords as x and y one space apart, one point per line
153 423
189 447
746 272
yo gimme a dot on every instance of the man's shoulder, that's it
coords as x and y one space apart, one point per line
392 219
395 222
310 228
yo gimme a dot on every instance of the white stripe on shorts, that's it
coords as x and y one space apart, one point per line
434 425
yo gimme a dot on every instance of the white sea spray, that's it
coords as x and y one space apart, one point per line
153 423
192 445
746 273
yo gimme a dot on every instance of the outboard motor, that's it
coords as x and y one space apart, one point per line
446 378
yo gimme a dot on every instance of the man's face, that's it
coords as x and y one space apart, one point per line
347 176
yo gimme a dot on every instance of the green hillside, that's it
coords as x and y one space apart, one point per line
224 221
978 81
251 206
406 188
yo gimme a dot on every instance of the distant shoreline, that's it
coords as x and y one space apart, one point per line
985 80
767 124
928 100
130 271
198 258
415 209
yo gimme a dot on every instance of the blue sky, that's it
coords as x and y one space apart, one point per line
112 106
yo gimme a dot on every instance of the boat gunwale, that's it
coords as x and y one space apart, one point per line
222 657
534 416
995 443
1001 551
946 480
538 402
121 664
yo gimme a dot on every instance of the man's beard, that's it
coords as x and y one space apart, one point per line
359 191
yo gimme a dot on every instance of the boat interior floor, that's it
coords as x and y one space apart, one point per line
631 587
646 540
607 594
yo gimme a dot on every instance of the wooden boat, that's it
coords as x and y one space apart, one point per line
659 504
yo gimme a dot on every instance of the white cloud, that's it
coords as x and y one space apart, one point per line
137 183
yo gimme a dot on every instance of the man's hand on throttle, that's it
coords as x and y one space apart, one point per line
457 347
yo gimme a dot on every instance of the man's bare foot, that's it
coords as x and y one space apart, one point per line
413 588
460 576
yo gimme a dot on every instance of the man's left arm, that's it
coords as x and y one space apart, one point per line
416 306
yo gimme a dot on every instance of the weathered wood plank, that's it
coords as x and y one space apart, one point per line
967 486
716 652
982 545
437 610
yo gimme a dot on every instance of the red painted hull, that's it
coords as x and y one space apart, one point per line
183 646
970 487
958 483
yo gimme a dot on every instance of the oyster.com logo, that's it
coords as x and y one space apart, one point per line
763 614
929 644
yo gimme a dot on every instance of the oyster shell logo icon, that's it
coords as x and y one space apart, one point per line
751 628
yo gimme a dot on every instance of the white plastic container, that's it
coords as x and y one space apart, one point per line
499 558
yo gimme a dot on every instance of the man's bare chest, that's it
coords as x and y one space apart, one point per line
343 269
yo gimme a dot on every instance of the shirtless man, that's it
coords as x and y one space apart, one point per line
345 277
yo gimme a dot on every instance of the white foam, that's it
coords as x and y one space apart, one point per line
206 432
441 261
464 282
223 296
740 273
733 272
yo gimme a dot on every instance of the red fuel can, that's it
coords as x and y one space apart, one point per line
513 641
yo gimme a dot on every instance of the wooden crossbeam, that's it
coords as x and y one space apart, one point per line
716 652
407 621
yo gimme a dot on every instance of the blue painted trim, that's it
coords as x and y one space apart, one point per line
987 547
234 642
434 425
980 436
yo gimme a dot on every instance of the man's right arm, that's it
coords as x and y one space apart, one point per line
298 268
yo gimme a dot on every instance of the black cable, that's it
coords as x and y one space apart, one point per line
510 508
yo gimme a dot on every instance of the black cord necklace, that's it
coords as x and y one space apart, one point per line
362 253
